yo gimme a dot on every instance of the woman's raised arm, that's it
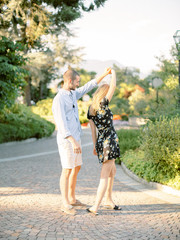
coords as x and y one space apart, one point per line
112 86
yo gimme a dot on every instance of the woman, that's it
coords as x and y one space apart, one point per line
106 145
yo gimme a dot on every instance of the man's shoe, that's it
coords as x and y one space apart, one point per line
78 203
68 210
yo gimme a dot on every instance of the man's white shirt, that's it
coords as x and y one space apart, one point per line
65 111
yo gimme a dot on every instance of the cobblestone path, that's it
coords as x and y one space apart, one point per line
30 200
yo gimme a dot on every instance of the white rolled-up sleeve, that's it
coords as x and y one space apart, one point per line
86 88
60 117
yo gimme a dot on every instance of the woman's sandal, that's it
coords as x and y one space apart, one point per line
116 207
91 211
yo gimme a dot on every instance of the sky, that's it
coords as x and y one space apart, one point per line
132 32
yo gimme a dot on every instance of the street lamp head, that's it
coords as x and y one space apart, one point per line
177 39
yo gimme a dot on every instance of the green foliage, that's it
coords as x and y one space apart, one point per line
128 81
157 158
119 105
18 123
25 20
129 98
86 77
147 106
12 74
41 71
29 20
128 139
168 67
138 163
138 103
83 109
43 107
161 143
127 75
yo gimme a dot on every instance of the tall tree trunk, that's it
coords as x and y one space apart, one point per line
27 92
41 87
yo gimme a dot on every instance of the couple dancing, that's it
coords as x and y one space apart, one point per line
106 147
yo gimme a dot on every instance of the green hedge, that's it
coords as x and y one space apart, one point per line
128 139
137 162
158 157
19 123
161 143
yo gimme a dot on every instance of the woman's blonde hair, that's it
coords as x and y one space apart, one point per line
100 93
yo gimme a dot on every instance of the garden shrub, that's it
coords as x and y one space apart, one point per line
128 139
43 107
168 113
145 168
19 123
158 157
119 105
161 143
83 109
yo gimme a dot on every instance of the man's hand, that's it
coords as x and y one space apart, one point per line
75 144
76 147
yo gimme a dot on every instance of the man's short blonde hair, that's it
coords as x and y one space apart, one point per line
70 74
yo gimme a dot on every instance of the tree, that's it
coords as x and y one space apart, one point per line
127 75
44 66
41 72
168 67
168 72
26 21
12 74
86 77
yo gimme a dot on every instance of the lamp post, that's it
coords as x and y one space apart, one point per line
177 42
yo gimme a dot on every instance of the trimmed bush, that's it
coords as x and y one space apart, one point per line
128 139
158 158
161 143
43 107
19 123
83 109
137 162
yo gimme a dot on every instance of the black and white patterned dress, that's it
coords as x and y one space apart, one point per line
107 144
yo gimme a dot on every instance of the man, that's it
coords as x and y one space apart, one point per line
65 111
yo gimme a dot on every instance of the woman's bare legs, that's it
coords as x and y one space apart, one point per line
108 194
105 173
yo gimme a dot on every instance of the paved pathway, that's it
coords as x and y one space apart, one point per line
30 199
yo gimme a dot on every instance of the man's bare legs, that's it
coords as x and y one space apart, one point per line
72 184
64 185
105 173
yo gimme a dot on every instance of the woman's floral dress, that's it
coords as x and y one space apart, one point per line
107 144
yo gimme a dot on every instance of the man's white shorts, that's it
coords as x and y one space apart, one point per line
69 159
